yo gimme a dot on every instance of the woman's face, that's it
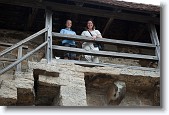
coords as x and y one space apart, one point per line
90 25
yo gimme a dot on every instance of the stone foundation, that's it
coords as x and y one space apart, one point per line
67 84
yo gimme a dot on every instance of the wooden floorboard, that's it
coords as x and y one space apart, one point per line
91 64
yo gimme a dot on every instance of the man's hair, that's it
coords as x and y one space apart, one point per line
68 20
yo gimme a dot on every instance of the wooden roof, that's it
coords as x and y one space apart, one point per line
125 24
130 5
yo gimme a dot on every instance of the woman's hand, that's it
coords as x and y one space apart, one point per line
94 37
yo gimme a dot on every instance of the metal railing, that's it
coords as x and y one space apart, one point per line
104 53
48 43
19 44
20 48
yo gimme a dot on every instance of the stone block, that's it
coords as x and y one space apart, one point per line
49 80
72 96
46 94
8 93
95 100
156 98
25 97
116 93
25 88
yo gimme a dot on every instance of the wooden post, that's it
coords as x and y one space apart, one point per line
18 67
107 26
48 36
31 18
155 41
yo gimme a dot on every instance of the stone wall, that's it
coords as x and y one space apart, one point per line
88 86
66 84
140 90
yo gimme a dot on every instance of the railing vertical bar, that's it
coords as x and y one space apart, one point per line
18 67
23 58
155 41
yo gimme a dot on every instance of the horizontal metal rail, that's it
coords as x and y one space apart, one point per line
7 59
23 58
102 40
105 53
23 41
9 44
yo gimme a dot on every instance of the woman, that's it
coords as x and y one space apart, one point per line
68 43
91 32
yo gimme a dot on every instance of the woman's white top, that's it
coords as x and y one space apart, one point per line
94 33
89 45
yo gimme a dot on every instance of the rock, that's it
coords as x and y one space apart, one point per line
156 100
46 94
8 93
116 93
73 96
25 88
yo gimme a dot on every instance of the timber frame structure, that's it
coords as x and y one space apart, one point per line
149 17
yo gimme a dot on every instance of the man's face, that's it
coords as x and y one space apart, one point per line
68 23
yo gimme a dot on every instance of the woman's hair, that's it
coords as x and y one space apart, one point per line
93 24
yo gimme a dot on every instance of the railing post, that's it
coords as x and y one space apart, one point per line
18 67
155 41
48 35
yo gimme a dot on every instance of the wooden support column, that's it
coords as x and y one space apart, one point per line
31 18
18 67
155 41
107 26
139 33
48 36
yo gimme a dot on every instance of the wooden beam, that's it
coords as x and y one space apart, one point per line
7 59
83 10
9 44
105 53
154 38
48 24
155 41
25 3
139 33
31 18
86 63
102 40
107 26
101 13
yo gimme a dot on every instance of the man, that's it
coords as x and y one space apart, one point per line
68 43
